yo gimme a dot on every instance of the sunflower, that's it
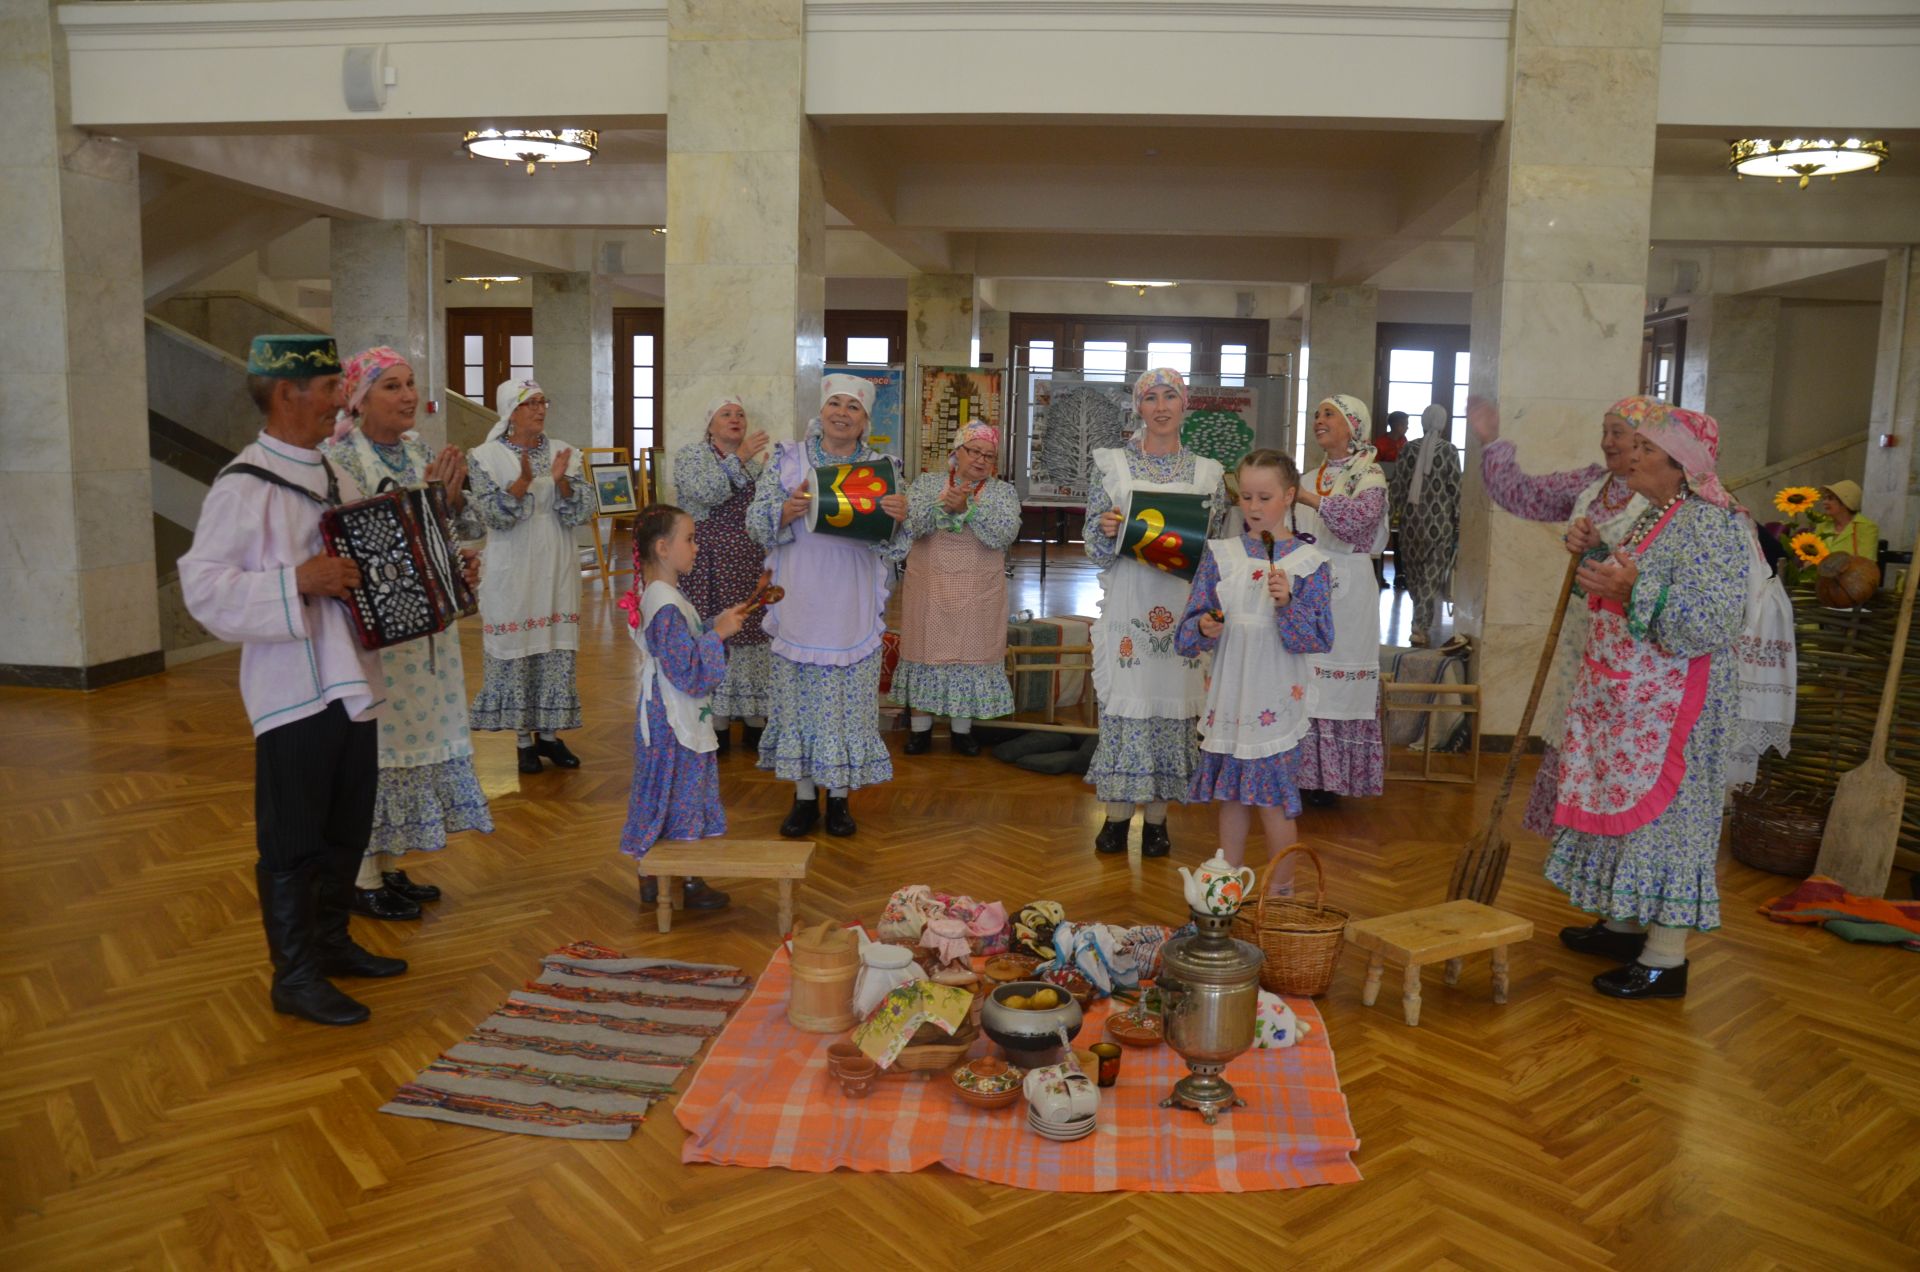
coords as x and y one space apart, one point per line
1808 547
1795 500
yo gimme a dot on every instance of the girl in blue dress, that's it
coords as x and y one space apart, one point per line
676 787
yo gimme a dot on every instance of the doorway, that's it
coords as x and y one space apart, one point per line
486 348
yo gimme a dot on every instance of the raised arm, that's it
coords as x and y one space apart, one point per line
1546 497
1305 623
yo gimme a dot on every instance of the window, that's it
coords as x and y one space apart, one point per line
487 346
867 350
1300 433
1461 366
1179 356
520 357
643 390
1419 364
473 367
1233 365
639 349
867 337
1104 359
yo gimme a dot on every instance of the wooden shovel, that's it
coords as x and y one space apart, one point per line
1863 826
1483 861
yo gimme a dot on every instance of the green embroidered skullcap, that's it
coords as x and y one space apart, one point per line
294 357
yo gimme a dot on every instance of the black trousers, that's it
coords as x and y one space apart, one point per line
314 783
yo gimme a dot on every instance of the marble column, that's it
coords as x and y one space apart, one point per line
746 221
1341 340
1729 375
76 504
1892 483
1560 266
573 355
380 292
941 327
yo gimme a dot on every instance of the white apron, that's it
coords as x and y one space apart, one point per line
1550 717
1137 673
530 589
1252 710
691 718
1346 679
1769 672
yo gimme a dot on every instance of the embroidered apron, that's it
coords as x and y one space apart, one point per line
1256 697
1346 679
954 608
1136 671
1633 707
690 717
1550 717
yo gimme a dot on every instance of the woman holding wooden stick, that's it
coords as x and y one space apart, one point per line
1653 714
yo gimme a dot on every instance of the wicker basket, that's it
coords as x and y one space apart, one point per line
1775 831
933 1057
1301 941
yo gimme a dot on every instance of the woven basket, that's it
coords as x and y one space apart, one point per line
933 1057
1774 831
1301 941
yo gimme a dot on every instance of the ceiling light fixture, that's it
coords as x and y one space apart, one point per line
533 145
487 281
1139 285
1805 158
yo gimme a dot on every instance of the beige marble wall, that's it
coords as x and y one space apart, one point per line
573 355
941 325
1729 373
379 271
746 222
1341 341
76 526
1892 482
1560 263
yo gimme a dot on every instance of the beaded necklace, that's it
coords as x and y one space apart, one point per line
387 456
1325 478
1607 503
1647 520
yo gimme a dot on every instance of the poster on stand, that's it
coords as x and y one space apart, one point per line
1220 422
949 398
1070 418
887 414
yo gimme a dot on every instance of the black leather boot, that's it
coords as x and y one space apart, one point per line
919 742
1112 838
556 751
529 759
333 901
964 743
1154 841
382 903
1637 980
419 893
1598 938
750 736
802 818
299 988
698 896
839 820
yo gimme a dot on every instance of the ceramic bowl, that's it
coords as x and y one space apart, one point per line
1004 969
1135 1028
988 1083
1025 1033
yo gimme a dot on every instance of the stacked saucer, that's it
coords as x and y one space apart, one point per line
1063 1132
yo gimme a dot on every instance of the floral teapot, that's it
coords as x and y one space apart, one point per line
1219 888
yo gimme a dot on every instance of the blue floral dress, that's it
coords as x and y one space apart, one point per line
1690 601
676 792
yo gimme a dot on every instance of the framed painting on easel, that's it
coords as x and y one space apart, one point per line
610 472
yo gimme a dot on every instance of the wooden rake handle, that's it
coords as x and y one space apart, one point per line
1533 698
1890 691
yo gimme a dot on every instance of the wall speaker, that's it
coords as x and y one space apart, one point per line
363 77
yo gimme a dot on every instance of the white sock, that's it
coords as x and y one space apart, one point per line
758 722
1666 947
369 876
548 735
721 723
524 739
804 790
922 723
1157 813
1119 811
961 724
1625 925
839 792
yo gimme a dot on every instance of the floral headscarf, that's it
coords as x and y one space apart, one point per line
1160 377
358 376
1692 439
1640 411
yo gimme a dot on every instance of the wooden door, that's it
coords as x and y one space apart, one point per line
486 347
639 338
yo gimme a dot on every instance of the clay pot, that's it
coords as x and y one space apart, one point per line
1845 581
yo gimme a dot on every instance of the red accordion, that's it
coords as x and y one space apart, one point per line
409 559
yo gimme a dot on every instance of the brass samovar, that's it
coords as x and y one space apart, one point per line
1210 992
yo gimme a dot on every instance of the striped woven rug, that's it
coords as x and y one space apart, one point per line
582 1052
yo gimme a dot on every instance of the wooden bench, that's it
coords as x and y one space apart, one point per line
1446 932
782 859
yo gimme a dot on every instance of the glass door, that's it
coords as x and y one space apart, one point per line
486 347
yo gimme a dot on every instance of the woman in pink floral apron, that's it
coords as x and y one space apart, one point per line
1653 715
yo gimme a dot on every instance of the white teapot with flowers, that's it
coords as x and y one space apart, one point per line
1219 888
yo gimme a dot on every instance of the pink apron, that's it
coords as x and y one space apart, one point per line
954 607
1633 707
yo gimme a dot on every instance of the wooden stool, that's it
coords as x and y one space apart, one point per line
1449 932
782 859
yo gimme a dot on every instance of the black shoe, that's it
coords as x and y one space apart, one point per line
724 740
333 897
397 881
698 896
356 960
383 903
750 737
801 819
649 890
1637 980
1319 799
556 751
1112 838
1154 841
287 912
1598 938
529 759
839 820
965 743
919 742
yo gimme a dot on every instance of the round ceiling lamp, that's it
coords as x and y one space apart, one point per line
487 281
1140 285
1805 158
532 146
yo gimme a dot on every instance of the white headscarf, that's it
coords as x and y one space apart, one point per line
1433 425
507 399
843 385
714 407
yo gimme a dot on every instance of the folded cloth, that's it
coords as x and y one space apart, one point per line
886 1032
1822 900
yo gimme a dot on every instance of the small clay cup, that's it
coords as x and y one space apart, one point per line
838 1056
1108 1054
858 1076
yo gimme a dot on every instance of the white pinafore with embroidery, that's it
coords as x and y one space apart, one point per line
1251 711
1346 679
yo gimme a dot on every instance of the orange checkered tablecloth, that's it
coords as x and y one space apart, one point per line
763 1098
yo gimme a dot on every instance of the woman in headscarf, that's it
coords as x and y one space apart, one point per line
823 710
1150 694
1852 533
1596 497
1342 508
427 787
953 608
528 490
1653 715
714 478
1425 492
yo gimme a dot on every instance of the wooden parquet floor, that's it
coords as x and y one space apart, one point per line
154 1111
